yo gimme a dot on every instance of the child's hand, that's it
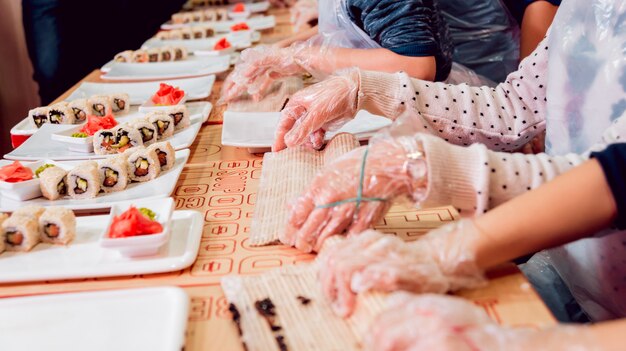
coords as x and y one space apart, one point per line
445 323
315 109
440 262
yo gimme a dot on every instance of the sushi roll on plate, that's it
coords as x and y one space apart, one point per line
124 56
180 116
140 56
31 210
52 182
120 103
38 116
100 104
147 130
154 54
163 123
3 217
61 113
175 34
126 137
83 181
198 32
180 53
165 154
103 141
80 109
143 165
21 233
114 173
186 33
167 54
57 225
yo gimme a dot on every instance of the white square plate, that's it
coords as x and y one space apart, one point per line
167 70
195 88
85 258
123 320
256 130
160 187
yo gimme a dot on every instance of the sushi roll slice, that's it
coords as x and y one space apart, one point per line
31 210
143 165
180 53
100 104
61 113
209 15
120 103
57 225
163 123
167 54
180 18
53 183
186 33
162 35
180 116
80 109
124 56
114 173
147 130
21 233
209 32
126 137
3 217
197 16
154 54
198 32
140 56
221 14
165 153
175 34
38 116
83 182
103 141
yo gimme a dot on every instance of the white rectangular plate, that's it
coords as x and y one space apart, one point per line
195 88
255 23
160 187
257 129
47 142
123 320
84 257
167 70
107 66
239 40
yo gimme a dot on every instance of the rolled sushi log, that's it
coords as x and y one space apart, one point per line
3 217
53 183
57 225
120 103
114 174
80 109
126 137
60 113
163 123
180 116
147 130
103 141
38 116
100 105
21 232
143 165
83 182
165 154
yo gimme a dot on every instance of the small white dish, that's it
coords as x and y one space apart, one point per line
26 190
140 245
239 16
84 145
152 319
149 106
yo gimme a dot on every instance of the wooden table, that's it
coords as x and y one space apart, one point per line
221 183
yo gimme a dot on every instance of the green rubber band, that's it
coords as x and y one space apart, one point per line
359 193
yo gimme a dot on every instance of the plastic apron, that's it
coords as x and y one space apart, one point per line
336 29
586 94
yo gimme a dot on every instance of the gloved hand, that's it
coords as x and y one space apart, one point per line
439 262
445 323
260 66
317 108
392 167
302 13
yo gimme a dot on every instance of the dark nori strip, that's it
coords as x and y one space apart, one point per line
265 307
280 340
304 300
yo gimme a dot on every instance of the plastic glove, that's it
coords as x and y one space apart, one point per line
439 262
328 207
302 13
445 323
324 106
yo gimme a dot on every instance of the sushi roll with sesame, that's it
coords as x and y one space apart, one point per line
209 32
198 32
180 53
154 54
167 54
52 182
221 15
114 173
83 181
80 109
186 33
163 123
38 116
162 35
57 225
197 16
175 34
147 130
3 217
180 116
165 154
60 113
124 56
100 105
103 141
120 103
126 137
209 15
21 232
31 210
140 56
143 165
